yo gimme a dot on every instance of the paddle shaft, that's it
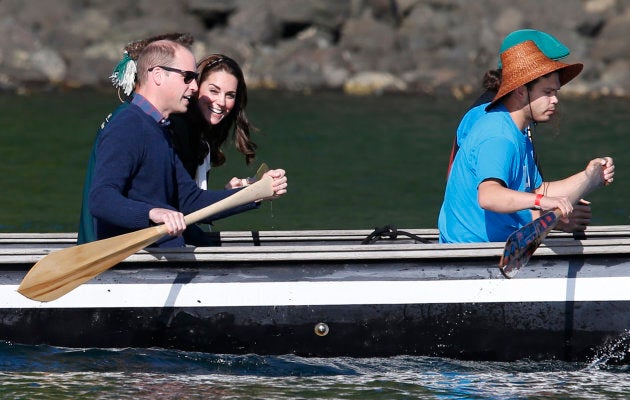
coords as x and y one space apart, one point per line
239 198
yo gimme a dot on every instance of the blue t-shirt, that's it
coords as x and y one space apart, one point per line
494 149
468 121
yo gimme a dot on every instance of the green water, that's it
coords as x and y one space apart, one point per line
353 162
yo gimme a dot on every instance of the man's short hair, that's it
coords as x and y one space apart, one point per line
161 52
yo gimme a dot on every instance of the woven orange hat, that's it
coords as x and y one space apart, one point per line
524 63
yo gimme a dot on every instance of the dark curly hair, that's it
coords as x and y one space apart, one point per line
492 80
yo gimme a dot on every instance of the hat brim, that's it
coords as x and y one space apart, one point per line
566 73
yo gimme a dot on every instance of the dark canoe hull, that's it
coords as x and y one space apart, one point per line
324 294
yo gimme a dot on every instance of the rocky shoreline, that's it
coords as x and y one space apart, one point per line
358 46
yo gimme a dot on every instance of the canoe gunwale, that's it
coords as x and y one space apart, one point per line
247 246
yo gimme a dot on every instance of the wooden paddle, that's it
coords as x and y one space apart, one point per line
522 243
261 171
60 272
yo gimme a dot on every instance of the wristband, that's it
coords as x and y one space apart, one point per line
539 196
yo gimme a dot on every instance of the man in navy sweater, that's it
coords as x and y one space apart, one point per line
138 179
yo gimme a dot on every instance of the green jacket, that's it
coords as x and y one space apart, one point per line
86 231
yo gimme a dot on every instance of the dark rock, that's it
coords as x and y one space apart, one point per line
362 46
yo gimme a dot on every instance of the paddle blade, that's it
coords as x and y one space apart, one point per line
521 244
61 271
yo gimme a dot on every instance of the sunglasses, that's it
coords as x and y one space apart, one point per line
188 75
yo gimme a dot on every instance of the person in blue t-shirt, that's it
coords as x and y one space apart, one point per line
494 181
580 218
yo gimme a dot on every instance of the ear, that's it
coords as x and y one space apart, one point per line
156 76
521 92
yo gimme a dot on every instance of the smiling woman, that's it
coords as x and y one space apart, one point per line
199 134
218 107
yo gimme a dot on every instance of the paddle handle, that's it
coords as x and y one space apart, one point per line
259 190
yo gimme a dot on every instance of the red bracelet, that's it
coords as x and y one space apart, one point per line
537 201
